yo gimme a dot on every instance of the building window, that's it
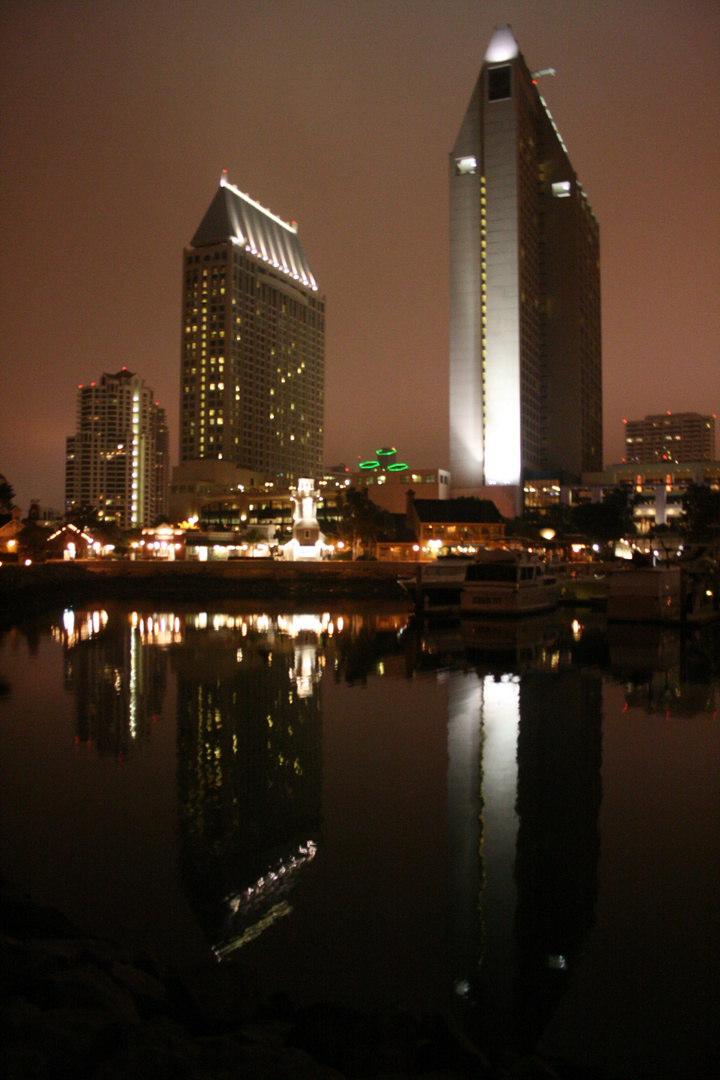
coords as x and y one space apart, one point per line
499 84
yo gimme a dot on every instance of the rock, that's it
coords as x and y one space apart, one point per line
214 997
87 986
228 1060
157 1049
148 992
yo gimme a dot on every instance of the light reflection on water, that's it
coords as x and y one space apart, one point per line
368 811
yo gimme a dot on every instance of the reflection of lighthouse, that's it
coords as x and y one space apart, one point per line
307 540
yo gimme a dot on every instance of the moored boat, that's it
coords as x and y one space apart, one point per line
508 583
437 584
684 592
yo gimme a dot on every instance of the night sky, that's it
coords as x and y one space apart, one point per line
118 117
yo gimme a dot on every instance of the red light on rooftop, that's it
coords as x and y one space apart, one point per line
669 413
624 421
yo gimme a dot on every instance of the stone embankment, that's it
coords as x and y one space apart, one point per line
26 589
77 1007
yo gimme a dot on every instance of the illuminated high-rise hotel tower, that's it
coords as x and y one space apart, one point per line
253 352
525 355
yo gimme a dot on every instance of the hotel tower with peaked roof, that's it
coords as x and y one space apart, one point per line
525 349
253 346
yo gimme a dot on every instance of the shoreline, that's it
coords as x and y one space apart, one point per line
30 590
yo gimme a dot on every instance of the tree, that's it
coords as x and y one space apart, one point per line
83 517
606 521
702 511
7 495
361 521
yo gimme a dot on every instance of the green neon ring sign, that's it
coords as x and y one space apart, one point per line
369 464
397 466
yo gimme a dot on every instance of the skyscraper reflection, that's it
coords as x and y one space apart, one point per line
524 756
117 679
249 739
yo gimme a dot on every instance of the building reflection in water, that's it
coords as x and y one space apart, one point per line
524 790
523 780
117 678
249 740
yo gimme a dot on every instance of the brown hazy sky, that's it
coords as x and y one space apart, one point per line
117 118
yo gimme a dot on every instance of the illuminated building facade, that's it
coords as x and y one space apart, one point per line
118 459
525 348
670 437
253 344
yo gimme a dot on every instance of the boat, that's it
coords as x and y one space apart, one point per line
437 585
584 584
506 582
683 592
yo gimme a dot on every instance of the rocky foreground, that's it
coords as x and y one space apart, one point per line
78 1007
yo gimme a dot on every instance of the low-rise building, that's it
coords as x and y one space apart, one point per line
456 525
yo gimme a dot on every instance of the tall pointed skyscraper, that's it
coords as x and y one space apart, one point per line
253 354
525 350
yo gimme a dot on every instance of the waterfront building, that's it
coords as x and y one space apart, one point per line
672 437
253 347
118 459
525 346
459 524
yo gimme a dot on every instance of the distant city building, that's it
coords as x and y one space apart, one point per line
253 346
387 480
525 346
675 437
118 459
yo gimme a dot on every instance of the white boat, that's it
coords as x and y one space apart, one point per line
508 583
676 593
646 593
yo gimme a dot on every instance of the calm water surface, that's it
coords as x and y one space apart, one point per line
519 822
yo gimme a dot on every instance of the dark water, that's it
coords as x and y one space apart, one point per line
518 822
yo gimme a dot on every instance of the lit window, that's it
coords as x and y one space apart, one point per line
465 166
561 190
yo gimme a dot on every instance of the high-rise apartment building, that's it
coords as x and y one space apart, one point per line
525 350
253 344
118 459
670 437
